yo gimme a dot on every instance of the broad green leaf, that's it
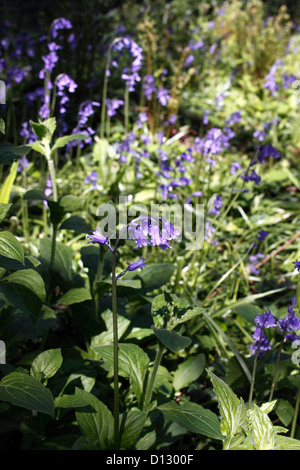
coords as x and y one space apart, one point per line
248 312
34 195
188 315
286 443
194 418
62 141
71 203
37 147
75 223
57 212
232 410
285 411
63 258
189 371
70 401
133 364
25 391
263 431
3 210
172 340
98 425
160 311
106 337
132 424
46 364
29 279
44 130
9 153
10 247
156 275
74 296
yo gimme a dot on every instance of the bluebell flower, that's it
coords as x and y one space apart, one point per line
297 265
260 135
261 343
141 263
163 96
113 105
97 237
152 231
262 235
92 178
217 205
235 166
58 24
290 324
266 151
252 177
234 117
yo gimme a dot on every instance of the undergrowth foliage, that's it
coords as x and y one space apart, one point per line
149 243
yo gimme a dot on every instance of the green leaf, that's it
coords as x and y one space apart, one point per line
188 315
34 195
106 337
133 364
37 147
74 296
194 418
98 425
189 371
44 130
75 223
232 410
3 210
71 203
62 141
63 258
247 312
70 401
130 431
46 364
10 247
9 153
263 430
156 275
285 411
172 340
57 212
25 391
25 289
287 443
160 311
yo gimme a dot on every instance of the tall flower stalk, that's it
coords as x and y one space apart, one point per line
145 231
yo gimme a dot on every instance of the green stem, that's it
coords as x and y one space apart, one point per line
276 370
254 372
53 178
53 246
294 423
54 232
150 385
116 350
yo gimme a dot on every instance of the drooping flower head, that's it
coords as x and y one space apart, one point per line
290 324
154 231
261 343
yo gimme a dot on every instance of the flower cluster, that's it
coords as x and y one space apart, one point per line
129 74
261 343
154 231
288 326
